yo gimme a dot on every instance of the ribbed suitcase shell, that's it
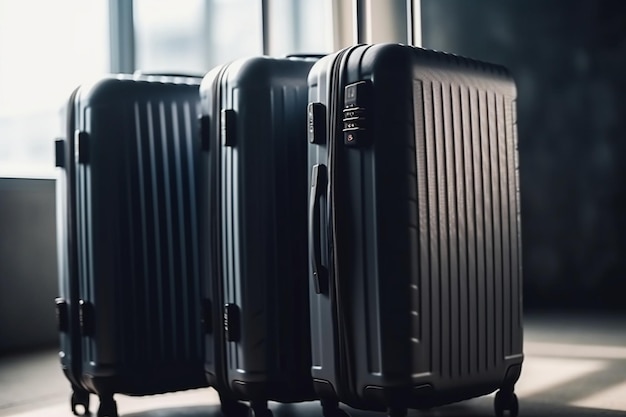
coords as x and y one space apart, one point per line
254 250
423 230
128 239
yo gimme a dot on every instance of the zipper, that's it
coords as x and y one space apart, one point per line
82 200
71 246
342 339
216 235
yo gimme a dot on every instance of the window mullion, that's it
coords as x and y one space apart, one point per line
122 36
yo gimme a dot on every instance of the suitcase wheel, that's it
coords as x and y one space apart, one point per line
108 407
397 412
337 412
234 408
506 401
259 409
80 403
331 409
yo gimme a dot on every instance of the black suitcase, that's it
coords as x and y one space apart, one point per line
414 230
254 249
129 304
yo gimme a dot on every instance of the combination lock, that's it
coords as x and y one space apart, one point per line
355 129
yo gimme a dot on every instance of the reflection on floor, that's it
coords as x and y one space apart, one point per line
574 366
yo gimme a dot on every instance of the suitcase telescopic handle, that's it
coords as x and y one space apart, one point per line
141 73
319 181
306 56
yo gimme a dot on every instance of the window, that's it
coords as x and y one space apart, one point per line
192 36
197 35
300 26
46 48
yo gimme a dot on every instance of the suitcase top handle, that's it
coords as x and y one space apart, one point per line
316 56
140 73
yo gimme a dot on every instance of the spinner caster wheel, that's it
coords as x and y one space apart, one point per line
234 408
80 403
397 412
108 407
259 409
331 409
506 401
334 412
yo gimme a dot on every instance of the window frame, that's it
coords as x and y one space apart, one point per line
122 36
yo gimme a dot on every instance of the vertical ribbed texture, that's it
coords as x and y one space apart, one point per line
505 231
468 275
277 136
286 200
514 216
422 286
161 283
277 220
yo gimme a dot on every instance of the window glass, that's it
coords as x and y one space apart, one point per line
235 30
169 35
195 35
314 26
46 49
300 27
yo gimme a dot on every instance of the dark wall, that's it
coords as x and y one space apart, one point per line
569 61
28 265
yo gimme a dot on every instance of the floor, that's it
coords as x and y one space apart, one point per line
575 365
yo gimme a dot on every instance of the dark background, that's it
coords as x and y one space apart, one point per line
568 58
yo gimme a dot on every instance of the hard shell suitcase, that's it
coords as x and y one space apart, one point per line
414 229
254 249
129 304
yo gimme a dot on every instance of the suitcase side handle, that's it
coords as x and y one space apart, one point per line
59 153
319 181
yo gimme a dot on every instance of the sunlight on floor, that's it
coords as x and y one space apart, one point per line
127 405
613 398
559 378
562 350
539 375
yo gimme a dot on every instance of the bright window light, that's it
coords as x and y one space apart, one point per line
300 27
193 36
169 35
46 49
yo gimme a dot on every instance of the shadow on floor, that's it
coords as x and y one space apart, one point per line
473 408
